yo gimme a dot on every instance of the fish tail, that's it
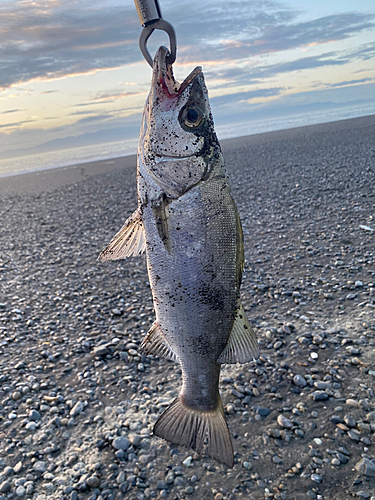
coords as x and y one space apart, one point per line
187 426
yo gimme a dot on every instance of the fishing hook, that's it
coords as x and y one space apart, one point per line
151 19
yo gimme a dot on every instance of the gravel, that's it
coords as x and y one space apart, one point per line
78 400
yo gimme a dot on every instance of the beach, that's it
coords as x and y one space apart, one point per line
78 399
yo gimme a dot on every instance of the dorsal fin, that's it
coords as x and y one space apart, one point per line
130 240
242 345
155 343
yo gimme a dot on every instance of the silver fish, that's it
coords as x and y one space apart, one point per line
189 226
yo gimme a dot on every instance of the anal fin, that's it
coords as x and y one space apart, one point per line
187 426
130 240
242 345
155 343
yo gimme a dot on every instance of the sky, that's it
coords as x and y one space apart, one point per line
72 75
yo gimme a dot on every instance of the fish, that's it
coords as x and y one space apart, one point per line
188 225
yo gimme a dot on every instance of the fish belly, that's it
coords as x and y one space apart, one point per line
191 256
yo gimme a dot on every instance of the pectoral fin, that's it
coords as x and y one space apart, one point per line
155 343
242 345
130 240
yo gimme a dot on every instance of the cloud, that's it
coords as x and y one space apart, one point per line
55 40
325 101
349 82
232 30
234 76
243 97
64 39
16 124
105 98
10 111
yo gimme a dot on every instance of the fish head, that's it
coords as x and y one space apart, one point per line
177 122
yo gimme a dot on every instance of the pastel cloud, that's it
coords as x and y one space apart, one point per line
55 39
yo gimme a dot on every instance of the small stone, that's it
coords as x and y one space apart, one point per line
314 355
316 478
237 394
363 494
18 467
322 386
188 461
335 461
299 381
319 395
284 422
135 439
121 477
121 443
101 350
349 420
274 433
335 419
365 467
351 296
40 466
362 427
93 481
343 458
352 402
354 436
161 485
263 412
311 494
169 478
77 409
5 486
16 396
20 491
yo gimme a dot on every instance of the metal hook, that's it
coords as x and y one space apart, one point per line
151 19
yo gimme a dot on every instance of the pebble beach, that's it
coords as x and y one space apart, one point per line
78 399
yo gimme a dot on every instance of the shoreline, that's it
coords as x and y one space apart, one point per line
229 144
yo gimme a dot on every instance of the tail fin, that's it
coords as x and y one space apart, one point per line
180 424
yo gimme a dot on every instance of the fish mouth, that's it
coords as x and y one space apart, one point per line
164 78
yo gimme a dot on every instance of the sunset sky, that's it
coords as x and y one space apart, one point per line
71 73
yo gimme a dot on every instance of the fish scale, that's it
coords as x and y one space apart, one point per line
188 224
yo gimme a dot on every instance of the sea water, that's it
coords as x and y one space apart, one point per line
66 157
73 156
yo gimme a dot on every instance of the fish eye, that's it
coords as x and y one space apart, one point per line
191 117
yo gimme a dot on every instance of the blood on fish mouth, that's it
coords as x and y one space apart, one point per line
170 86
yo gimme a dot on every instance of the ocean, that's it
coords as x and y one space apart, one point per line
73 156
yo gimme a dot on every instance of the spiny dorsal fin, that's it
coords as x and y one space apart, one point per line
242 345
155 343
187 426
130 240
